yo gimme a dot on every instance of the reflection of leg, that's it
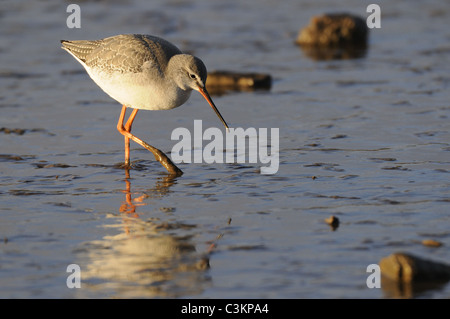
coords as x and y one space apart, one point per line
128 207
159 156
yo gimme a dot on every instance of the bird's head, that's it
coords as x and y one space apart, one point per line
191 75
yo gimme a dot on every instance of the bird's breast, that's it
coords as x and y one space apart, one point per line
138 90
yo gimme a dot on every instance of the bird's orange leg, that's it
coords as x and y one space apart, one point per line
126 132
127 128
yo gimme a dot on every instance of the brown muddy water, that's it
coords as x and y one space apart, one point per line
366 140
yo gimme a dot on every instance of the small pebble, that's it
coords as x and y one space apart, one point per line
431 243
333 221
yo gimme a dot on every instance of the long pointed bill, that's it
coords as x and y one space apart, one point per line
208 98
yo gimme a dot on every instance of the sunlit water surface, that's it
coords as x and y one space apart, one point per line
366 140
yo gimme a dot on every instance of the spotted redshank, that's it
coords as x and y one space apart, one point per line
142 72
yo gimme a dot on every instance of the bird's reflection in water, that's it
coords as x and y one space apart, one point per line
145 260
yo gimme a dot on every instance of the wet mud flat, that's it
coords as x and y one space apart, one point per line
363 139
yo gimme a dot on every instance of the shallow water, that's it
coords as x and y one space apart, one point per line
366 140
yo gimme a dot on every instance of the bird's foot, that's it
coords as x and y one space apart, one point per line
164 160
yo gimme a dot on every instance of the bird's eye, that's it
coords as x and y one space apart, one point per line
192 76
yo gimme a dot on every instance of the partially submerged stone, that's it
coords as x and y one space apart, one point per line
334 36
222 81
333 221
334 30
406 268
431 243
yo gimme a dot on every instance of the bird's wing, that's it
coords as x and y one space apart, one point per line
123 53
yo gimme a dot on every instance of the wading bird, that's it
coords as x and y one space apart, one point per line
142 72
